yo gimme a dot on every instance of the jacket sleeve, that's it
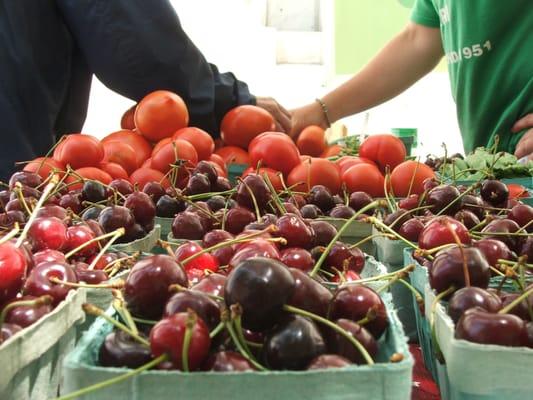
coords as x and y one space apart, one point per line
137 46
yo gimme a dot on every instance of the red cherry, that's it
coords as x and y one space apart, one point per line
49 255
48 233
440 230
39 283
211 284
347 276
76 236
13 267
295 257
167 337
26 315
203 262
103 261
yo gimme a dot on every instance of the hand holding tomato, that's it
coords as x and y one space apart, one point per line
311 114
282 117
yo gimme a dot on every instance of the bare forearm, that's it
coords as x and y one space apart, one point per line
405 59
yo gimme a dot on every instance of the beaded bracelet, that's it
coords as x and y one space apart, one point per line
324 110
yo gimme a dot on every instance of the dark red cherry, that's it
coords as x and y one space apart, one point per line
71 201
237 218
211 284
206 308
326 361
479 326
341 211
504 229
321 196
113 217
29 179
253 184
155 190
430 183
261 286
522 214
494 192
411 229
291 209
216 236
24 316
467 218
409 202
521 310
228 361
474 204
48 255
188 225
256 248
141 206
8 219
52 210
78 235
359 200
205 168
293 344
198 184
216 203
168 207
527 249
26 191
47 233
93 191
309 294
494 250
447 269
298 200
354 302
341 257
442 197
310 211
121 186
338 344
121 350
222 184
295 231
439 231
39 280
91 213
395 219
202 262
147 287
470 297
295 257
168 337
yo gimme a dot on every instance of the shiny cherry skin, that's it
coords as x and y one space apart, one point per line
228 361
205 307
295 231
255 248
93 191
447 269
120 350
48 233
439 232
441 197
395 219
474 204
8 219
212 284
113 217
309 294
295 257
155 190
147 286
24 316
522 214
216 236
38 282
253 184
411 229
521 309
121 186
359 200
78 235
48 255
71 201
168 337
338 344
310 211
168 207
52 210
13 267
188 225
504 226
470 297
467 218
324 232
141 206
293 344
197 184
321 196
354 301
103 261
261 286
222 185
341 211
237 218
86 275
479 326
29 179
327 361
494 250
203 262
409 202
527 249
341 257
494 192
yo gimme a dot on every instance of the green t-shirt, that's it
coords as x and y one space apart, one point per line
489 51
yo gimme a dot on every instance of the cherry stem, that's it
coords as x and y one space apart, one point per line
217 330
406 269
112 381
368 238
110 266
527 225
118 233
323 256
428 252
436 301
98 312
391 281
49 187
144 321
461 195
176 287
238 344
416 293
189 325
119 304
333 326
116 284
369 317
498 272
230 242
254 201
88 243
12 233
34 303
236 318
466 272
340 274
277 201
378 223
21 199
200 196
516 301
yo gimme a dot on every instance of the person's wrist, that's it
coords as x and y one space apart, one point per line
324 112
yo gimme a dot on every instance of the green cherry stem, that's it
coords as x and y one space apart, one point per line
516 301
378 223
189 325
217 330
39 301
118 233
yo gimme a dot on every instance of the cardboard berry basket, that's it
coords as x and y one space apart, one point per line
355 232
235 170
382 381
390 253
480 372
165 224
32 358
143 245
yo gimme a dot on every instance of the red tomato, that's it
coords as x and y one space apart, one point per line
79 150
143 149
273 175
316 171
218 160
517 191
115 170
346 162
267 135
144 175
241 124
160 144
332 151
233 155
384 149
408 178
312 141
171 153
120 153
73 181
200 139
43 166
276 152
220 171
364 178
127 121
160 114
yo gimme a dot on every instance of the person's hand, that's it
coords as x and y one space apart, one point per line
524 148
281 116
311 114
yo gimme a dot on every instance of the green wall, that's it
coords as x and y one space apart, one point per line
362 27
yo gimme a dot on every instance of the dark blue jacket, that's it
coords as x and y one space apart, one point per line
49 50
